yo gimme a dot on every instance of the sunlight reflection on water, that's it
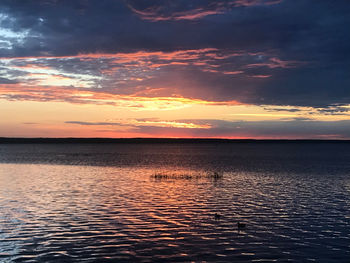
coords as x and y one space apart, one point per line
74 213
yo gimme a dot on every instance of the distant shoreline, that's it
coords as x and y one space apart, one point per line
7 140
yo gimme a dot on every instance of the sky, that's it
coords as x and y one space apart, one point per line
262 69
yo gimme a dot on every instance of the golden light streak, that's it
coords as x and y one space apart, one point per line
42 79
174 124
75 95
126 57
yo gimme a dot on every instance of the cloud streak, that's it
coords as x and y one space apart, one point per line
181 73
207 128
156 11
17 92
252 51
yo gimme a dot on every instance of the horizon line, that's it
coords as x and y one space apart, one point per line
4 140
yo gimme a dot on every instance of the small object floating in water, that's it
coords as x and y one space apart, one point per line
217 216
216 175
241 225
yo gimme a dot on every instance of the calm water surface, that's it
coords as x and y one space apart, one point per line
100 203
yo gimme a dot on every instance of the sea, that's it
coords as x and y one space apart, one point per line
175 202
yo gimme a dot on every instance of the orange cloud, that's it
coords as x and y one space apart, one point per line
174 124
261 76
179 54
153 15
161 13
83 96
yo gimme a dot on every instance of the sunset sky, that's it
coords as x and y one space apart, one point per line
175 68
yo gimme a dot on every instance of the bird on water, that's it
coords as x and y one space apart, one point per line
241 225
217 216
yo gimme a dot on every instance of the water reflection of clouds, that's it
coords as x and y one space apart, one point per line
70 212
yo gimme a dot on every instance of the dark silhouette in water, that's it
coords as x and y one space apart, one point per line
217 216
187 176
216 175
240 225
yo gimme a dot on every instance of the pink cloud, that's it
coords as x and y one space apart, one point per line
275 62
261 76
161 12
144 99
256 2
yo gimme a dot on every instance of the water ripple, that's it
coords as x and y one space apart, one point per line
72 213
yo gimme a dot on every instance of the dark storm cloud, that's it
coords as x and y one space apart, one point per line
302 55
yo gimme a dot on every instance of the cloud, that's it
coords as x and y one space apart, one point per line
297 119
274 109
7 81
156 10
256 2
147 122
275 63
181 73
335 110
84 123
255 52
299 128
21 92
152 14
